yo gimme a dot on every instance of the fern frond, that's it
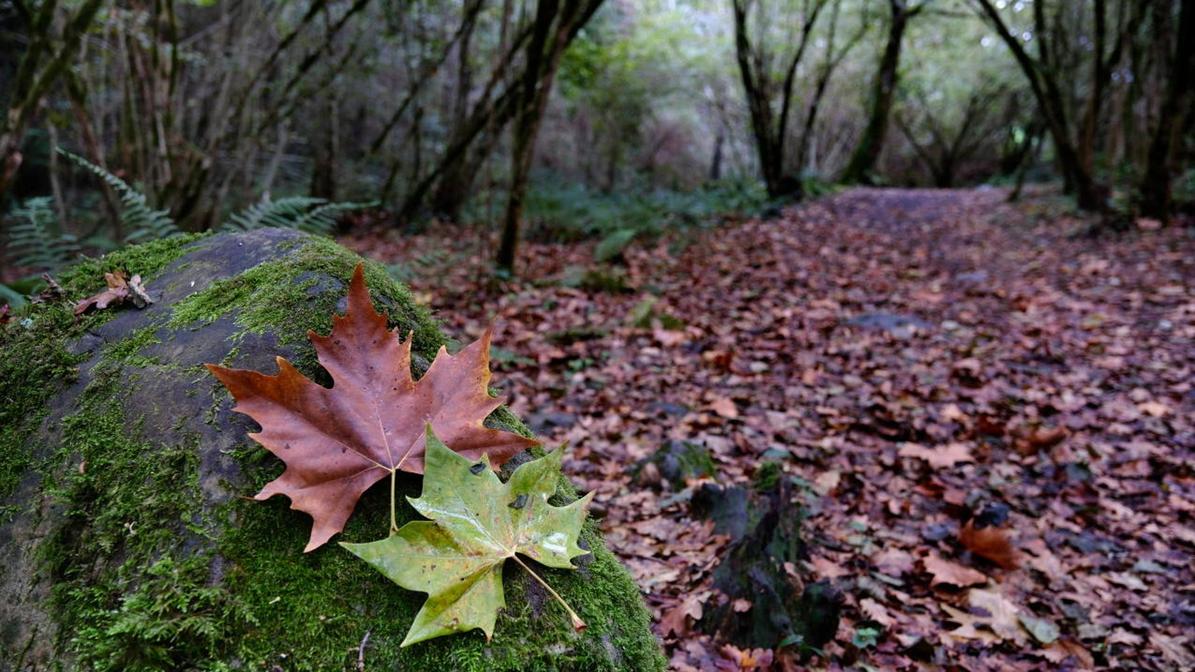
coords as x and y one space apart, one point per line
313 215
322 219
32 237
142 222
266 212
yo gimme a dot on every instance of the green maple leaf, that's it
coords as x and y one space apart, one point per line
477 523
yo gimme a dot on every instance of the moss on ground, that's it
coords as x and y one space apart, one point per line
150 576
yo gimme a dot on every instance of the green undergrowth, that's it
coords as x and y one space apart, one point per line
562 212
147 574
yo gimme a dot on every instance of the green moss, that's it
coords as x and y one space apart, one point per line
126 594
127 350
35 365
282 297
148 574
313 609
147 260
172 620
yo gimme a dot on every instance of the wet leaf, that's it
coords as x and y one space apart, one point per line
337 442
457 556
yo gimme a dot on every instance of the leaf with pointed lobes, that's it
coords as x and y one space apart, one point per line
337 442
457 556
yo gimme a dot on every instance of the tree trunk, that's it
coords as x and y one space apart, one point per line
884 89
556 25
1043 82
1155 185
716 161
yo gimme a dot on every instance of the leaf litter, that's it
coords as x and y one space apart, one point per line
1045 397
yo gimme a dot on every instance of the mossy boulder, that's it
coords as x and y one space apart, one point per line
128 539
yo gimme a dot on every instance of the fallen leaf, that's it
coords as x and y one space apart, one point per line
876 612
827 481
949 456
676 620
120 289
828 569
990 543
945 571
725 407
477 523
1047 437
338 442
1174 649
1061 650
1153 408
1043 630
992 611
744 660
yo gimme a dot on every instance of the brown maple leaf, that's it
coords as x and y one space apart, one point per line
337 442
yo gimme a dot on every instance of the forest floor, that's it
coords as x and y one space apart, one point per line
992 416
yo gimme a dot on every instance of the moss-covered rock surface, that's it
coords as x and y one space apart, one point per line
128 539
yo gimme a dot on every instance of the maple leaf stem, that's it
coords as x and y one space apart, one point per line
393 512
578 624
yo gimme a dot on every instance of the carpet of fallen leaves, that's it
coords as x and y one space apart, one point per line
992 416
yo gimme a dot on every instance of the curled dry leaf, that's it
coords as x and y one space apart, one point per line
990 543
121 289
337 442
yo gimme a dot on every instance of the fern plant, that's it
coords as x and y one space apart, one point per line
313 215
34 239
141 221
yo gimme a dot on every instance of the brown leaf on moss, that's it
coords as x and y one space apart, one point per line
337 442
121 288
990 543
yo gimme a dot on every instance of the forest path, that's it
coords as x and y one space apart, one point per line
917 359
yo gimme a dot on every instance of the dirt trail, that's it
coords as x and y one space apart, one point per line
915 360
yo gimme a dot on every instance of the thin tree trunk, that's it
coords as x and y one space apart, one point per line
884 90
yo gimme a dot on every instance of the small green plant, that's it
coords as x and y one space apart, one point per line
304 213
142 222
34 239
